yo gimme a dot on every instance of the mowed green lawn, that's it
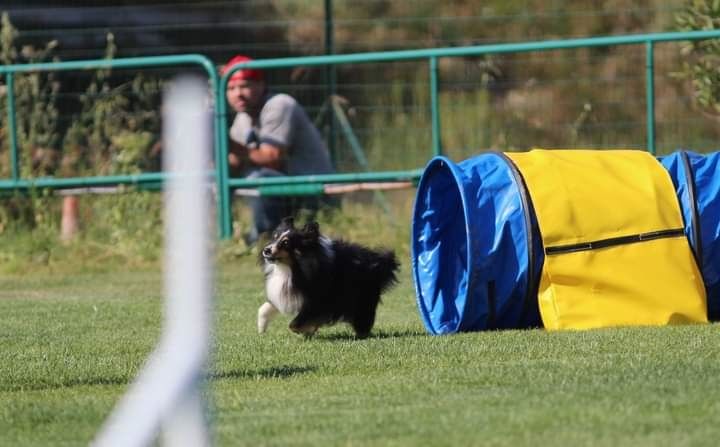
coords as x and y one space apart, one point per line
70 344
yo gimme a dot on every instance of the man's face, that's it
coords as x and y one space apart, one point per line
244 95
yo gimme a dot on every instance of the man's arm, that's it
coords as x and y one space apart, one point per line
266 155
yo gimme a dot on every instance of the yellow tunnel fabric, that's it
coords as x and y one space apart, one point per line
615 252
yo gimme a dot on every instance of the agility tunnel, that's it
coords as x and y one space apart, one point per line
566 239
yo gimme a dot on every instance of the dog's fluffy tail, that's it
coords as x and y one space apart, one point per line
385 269
362 265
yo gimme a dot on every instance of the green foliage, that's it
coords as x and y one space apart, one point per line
8 34
382 25
36 96
125 231
116 131
22 249
117 231
129 226
702 68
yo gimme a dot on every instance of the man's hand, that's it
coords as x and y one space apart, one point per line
237 156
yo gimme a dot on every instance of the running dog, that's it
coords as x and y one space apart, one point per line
322 281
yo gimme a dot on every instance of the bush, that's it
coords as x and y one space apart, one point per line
702 68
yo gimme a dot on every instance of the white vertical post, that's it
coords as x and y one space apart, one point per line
167 394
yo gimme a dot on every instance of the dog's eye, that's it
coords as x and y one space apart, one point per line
283 244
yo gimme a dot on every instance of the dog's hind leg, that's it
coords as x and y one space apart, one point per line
364 318
362 328
266 313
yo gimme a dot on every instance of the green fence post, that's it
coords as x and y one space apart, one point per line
330 76
435 107
221 160
12 130
650 95
224 214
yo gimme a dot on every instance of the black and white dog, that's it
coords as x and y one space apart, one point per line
322 281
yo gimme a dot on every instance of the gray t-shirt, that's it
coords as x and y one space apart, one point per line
283 123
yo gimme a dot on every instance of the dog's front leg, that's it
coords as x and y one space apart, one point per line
266 313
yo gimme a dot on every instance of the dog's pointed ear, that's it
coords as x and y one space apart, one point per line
288 222
312 229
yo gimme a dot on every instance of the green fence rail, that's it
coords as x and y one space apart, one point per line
312 184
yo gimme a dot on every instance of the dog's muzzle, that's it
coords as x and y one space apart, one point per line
267 254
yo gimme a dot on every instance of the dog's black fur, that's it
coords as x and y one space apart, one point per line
323 281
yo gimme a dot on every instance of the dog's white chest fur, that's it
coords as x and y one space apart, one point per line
279 289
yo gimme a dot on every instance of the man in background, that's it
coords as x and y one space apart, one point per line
271 136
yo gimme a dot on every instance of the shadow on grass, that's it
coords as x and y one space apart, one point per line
277 372
375 335
70 383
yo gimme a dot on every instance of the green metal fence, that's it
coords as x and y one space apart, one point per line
313 184
150 178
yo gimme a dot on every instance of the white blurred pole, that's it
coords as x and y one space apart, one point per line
168 393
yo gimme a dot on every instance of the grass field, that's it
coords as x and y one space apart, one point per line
72 343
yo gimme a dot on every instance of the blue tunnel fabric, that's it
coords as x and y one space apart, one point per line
477 251
696 178
474 250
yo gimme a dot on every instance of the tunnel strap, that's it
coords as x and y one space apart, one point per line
604 243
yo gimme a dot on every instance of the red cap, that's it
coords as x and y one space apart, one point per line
244 73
